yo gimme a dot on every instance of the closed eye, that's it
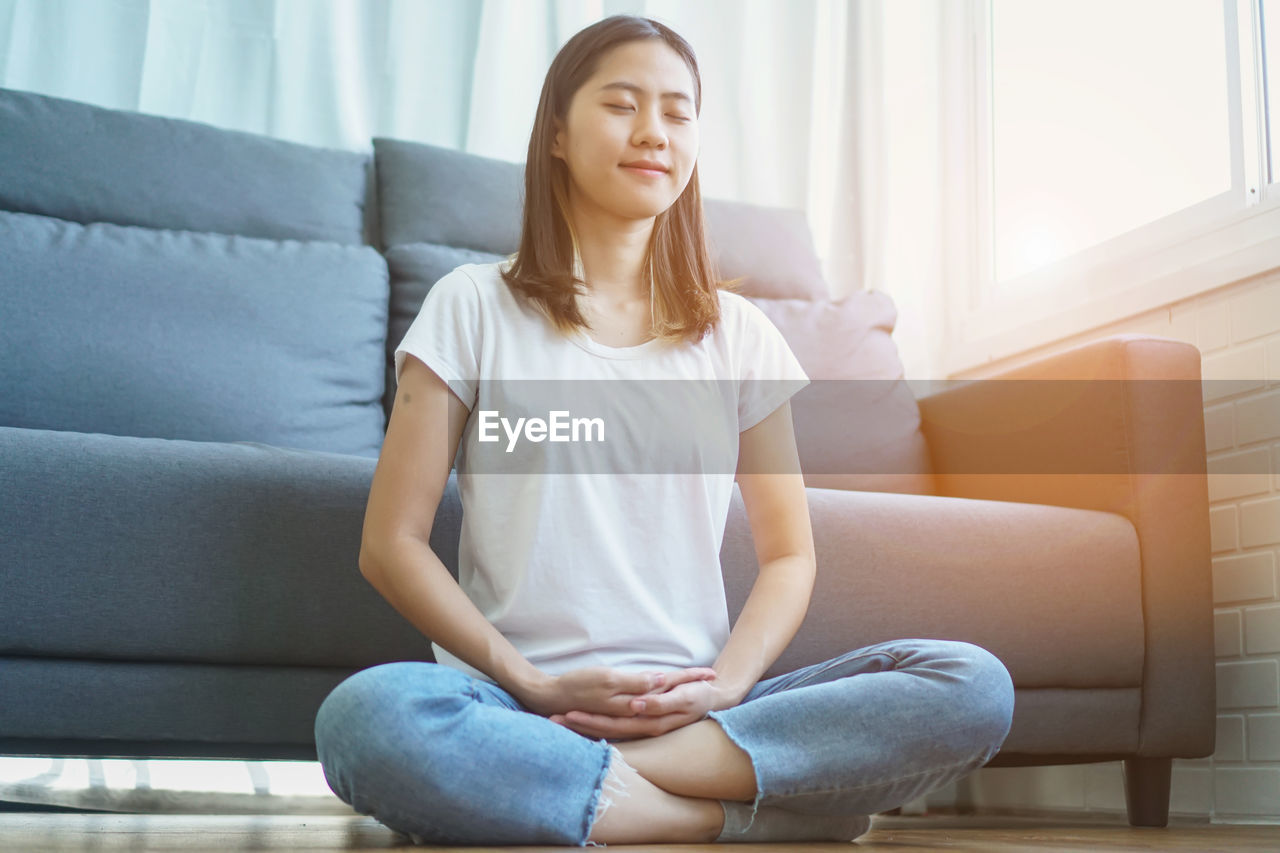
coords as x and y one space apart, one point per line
621 107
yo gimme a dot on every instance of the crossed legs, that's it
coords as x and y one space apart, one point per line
394 739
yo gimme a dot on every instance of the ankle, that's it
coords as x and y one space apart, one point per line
717 816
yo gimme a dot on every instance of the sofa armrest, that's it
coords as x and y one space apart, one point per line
1072 429
1133 444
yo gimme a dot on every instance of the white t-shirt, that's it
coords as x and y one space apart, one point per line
601 553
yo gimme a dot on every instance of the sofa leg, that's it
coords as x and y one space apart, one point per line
1146 790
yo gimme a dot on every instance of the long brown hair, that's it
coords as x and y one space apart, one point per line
682 275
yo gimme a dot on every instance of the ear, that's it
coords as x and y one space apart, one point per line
557 148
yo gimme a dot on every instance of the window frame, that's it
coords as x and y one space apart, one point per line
1217 242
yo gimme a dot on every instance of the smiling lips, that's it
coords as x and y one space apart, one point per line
650 168
645 169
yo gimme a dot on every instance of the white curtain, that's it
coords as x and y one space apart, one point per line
827 106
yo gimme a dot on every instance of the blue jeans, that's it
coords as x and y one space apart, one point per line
445 758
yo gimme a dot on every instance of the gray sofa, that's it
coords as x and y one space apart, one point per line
194 355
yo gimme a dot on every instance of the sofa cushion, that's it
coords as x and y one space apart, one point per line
92 647
770 246
237 553
85 163
849 339
415 267
1055 592
176 334
430 194
857 423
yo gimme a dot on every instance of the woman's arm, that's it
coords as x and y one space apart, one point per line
777 509
422 437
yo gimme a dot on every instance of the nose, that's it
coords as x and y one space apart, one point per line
649 127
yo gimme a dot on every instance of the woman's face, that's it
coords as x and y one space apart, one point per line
610 125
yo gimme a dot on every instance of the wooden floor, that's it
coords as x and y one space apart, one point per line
30 832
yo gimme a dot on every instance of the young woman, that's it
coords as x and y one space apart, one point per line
587 689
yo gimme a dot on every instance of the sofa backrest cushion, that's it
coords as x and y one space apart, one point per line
857 423
85 163
179 334
770 247
414 268
430 194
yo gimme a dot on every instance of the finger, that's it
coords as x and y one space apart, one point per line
605 725
630 727
637 684
599 725
683 676
581 729
677 700
630 684
643 682
653 704
698 673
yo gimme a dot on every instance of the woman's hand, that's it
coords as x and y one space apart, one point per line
654 713
603 690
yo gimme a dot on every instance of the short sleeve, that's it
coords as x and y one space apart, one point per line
446 335
770 374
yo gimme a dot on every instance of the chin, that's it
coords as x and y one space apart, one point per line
631 208
646 213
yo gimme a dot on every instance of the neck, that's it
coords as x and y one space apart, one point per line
613 258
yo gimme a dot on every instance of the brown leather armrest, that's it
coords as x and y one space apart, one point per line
1072 429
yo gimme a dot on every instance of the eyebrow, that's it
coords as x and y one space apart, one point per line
633 88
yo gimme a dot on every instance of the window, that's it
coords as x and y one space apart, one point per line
1271 79
1105 158
1105 115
